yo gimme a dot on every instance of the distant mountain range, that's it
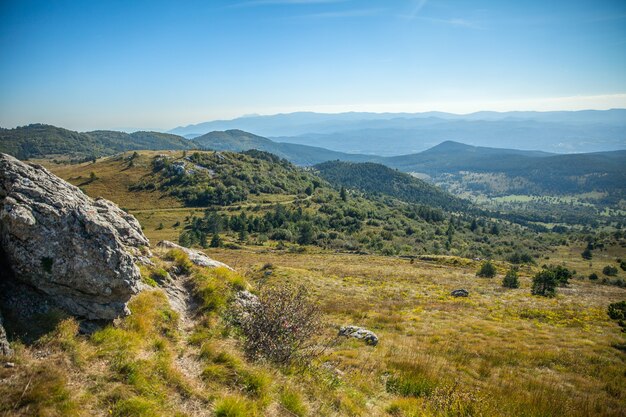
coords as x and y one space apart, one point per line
390 134
515 171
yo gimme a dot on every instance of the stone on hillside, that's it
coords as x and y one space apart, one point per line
195 256
359 333
78 253
5 349
460 293
243 303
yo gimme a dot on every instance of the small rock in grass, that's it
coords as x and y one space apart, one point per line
460 293
359 333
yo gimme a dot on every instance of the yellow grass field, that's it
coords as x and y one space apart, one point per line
498 352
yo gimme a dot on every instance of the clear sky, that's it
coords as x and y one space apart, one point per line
159 64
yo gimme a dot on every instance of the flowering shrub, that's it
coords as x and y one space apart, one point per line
282 326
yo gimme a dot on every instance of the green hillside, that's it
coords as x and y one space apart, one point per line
42 141
39 140
238 140
379 179
258 198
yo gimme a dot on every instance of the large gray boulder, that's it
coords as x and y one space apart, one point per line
78 252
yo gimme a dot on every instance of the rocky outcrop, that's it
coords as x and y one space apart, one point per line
78 252
195 256
367 336
5 349
460 293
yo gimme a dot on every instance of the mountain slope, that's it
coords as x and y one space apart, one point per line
453 156
379 179
141 140
40 140
238 140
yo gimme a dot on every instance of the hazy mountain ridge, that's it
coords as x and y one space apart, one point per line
520 171
238 140
401 133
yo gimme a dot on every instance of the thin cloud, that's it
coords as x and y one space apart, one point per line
417 6
254 3
343 13
459 22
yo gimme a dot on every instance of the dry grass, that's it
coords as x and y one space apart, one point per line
514 353
499 352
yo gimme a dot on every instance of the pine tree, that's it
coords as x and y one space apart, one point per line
544 283
510 279
216 241
487 270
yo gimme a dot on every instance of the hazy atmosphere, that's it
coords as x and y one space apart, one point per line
135 65
313 208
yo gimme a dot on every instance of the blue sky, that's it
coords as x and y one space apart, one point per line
159 64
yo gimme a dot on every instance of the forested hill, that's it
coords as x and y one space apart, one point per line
238 140
378 179
453 156
41 140
533 172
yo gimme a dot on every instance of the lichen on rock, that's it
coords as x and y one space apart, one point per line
79 253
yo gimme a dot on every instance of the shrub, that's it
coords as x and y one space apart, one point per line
517 258
622 265
609 271
593 276
617 312
487 270
544 283
561 274
586 254
216 241
282 326
510 279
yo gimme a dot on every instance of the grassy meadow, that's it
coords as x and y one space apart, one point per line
498 352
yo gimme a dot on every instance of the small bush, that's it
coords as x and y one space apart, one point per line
510 279
487 270
282 326
561 274
609 271
544 283
617 312
622 265
593 276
